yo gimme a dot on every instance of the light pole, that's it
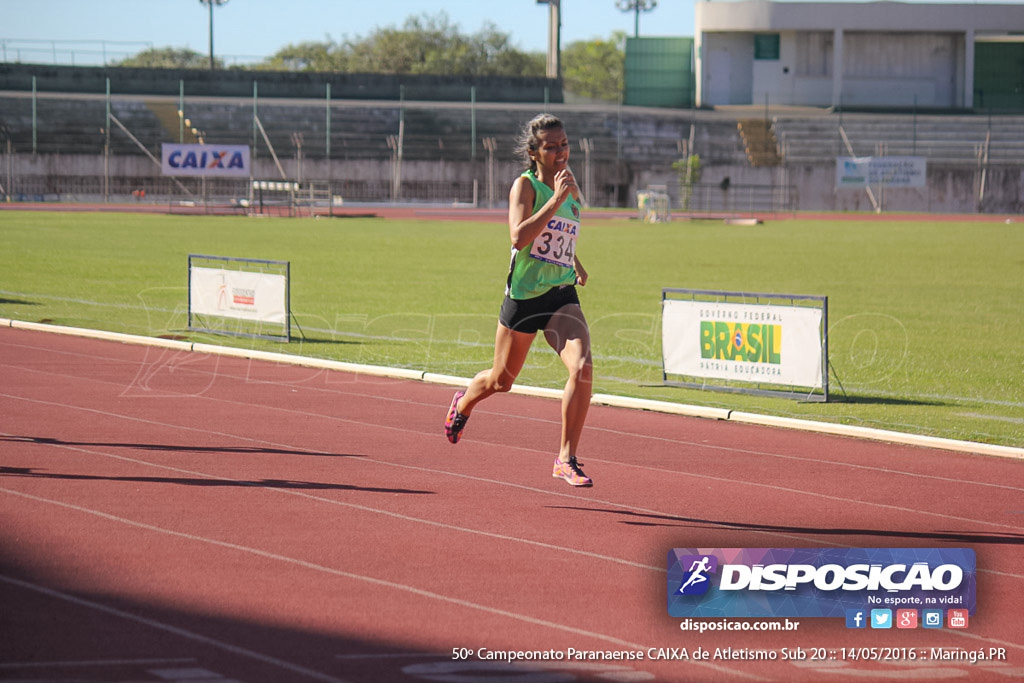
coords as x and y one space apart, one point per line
210 4
636 7
554 66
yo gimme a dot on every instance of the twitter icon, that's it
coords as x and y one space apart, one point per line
881 618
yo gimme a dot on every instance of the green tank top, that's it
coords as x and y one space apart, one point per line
547 261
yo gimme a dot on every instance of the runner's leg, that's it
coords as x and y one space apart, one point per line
510 350
569 336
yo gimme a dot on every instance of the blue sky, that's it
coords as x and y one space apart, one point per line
258 28
70 31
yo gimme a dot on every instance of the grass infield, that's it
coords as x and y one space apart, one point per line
925 317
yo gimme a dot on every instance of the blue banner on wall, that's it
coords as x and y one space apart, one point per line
205 160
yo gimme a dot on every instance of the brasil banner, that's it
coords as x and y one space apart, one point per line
763 343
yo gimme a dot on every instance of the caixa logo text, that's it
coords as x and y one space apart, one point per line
213 158
191 159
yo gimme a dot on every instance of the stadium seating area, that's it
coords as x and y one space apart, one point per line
433 131
630 147
74 124
946 139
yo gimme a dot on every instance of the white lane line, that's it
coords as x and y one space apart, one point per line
330 571
97 663
590 428
153 623
364 508
633 508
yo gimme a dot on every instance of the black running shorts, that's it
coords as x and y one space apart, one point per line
533 315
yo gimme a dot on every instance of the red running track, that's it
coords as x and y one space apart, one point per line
171 516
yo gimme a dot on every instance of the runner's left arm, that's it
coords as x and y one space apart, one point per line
581 272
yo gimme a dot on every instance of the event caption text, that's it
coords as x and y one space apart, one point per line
738 654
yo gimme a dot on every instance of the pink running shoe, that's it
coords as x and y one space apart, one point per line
571 472
456 421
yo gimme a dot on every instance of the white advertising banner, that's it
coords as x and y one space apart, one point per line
764 343
215 161
258 297
887 171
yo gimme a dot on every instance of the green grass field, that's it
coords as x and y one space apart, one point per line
925 317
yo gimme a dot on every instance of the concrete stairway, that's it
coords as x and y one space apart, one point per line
759 142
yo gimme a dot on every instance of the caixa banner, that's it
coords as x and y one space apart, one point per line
817 582
205 160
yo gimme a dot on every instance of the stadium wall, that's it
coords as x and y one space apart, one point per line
724 188
277 84
52 147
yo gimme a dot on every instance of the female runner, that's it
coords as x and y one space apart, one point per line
540 293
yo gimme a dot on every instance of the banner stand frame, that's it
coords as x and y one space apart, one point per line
750 387
195 320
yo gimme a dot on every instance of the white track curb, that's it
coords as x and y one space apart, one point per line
597 399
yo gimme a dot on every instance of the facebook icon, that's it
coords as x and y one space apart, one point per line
856 618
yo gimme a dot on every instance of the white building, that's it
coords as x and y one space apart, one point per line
884 54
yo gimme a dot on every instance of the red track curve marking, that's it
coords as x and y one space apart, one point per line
773 488
95 435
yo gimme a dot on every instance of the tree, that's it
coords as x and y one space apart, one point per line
496 56
308 56
595 68
167 58
424 44
688 169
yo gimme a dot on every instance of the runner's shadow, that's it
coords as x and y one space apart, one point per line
243 450
865 399
654 520
324 340
34 473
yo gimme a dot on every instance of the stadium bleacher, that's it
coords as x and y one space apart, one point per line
629 146
945 139
73 124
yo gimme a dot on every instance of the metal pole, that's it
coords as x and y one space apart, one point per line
489 145
34 119
554 67
472 122
10 169
181 111
255 116
555 40
106 151
297 140
914 148
327 154
327 130
210 3
401 140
